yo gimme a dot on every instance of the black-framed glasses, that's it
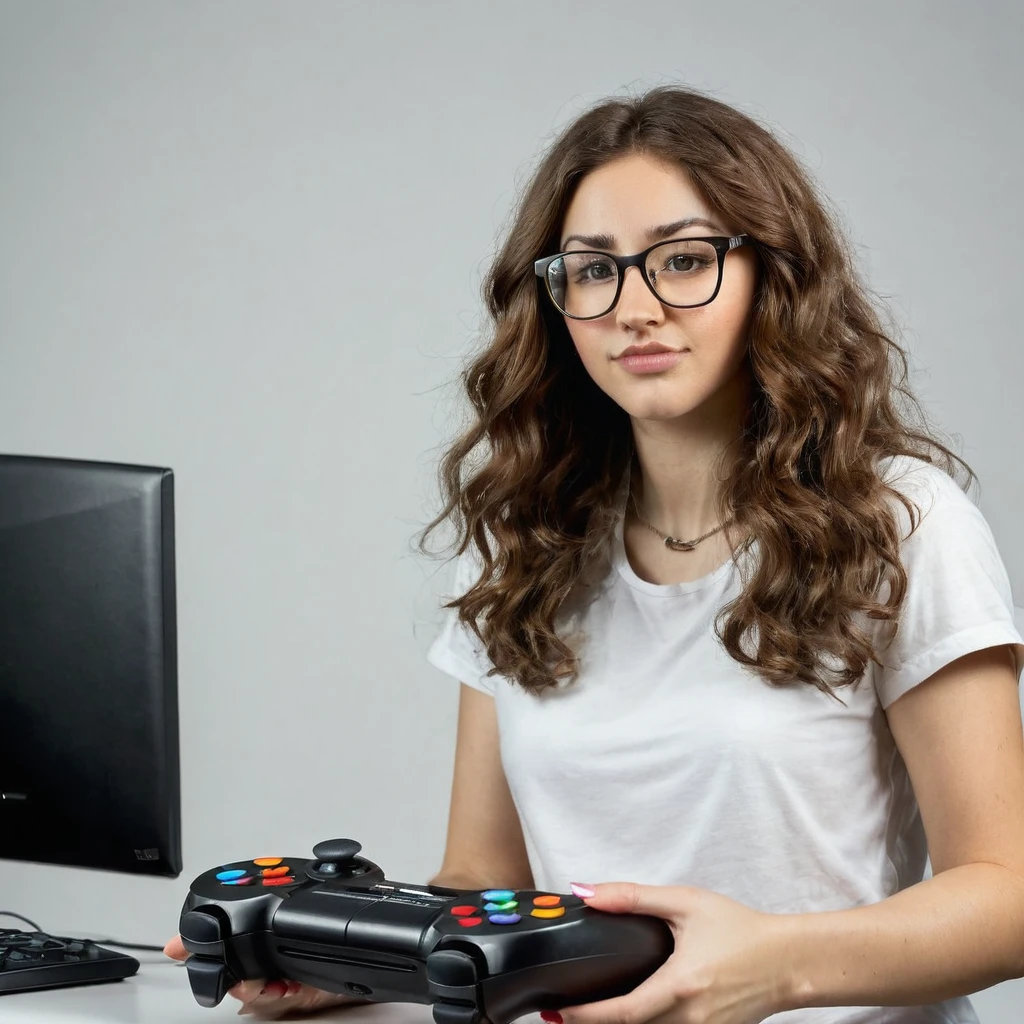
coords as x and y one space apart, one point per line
683 272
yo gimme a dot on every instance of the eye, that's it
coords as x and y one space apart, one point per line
687 263
597 271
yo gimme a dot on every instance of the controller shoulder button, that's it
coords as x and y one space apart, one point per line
450 967
198 926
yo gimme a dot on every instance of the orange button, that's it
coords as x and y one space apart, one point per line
275 872
547 901
470 922
267 862
553 912
280 880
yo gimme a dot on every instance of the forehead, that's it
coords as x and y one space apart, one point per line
629 194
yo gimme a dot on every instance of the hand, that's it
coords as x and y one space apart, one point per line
726 968
272 1000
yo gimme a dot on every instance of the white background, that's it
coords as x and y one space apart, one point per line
205 210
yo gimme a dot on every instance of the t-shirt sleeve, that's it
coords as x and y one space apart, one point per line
958 597
456 650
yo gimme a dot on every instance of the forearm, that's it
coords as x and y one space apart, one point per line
953 934
479 878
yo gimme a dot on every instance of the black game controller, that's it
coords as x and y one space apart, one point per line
479 957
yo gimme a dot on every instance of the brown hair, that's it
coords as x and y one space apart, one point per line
830 399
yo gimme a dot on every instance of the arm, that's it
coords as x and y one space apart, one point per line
485 847
962 930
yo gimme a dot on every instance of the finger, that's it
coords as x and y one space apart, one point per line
297 999
247 991
176 950
649 1001
631 898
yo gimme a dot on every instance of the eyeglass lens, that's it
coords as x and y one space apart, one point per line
683 273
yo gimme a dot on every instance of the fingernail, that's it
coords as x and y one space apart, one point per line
583 891
551 1016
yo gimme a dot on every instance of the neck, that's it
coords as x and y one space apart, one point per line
679 466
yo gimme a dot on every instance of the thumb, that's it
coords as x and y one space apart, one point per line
631 898
176 950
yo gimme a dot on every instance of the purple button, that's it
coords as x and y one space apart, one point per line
504 919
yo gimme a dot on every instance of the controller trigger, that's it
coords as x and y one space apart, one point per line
210 980
457 1013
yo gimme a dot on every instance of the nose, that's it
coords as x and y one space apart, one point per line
637 305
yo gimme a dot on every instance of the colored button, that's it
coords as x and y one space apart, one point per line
275 872
552 912
547 901
267 862
226 876
465 911
281 880
504 919
499 907
499 895
470 922
238 881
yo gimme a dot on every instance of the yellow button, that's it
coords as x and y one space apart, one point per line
266 862
552 912
547 901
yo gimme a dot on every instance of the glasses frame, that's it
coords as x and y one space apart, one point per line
722 244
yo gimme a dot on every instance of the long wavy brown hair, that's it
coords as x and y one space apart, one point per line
830 398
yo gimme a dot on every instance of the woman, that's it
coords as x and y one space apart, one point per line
727 627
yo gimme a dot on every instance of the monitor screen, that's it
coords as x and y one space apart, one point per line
88 666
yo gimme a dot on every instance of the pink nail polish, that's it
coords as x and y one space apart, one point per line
581 890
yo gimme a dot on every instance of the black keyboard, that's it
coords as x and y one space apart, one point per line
32 960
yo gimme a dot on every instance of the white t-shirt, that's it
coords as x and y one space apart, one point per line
668 763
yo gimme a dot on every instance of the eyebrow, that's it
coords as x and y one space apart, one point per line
653 234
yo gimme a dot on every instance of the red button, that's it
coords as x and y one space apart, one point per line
470 922
279 880
465 911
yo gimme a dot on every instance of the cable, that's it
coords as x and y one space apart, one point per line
124 945
98 942
10 913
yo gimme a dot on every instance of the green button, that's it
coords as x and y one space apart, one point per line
499 908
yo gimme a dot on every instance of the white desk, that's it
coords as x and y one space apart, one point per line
160 994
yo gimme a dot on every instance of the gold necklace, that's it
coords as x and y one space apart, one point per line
673 543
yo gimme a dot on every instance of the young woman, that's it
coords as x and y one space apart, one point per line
736 648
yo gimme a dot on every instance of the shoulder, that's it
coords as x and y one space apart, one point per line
940 502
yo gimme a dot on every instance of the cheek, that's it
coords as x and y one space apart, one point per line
590 344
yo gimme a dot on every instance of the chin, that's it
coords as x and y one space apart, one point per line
668 404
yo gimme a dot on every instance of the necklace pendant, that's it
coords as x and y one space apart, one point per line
679 545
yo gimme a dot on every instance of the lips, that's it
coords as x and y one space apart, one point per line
645 350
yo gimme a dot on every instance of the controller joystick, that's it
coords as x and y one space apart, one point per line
336 923
339 858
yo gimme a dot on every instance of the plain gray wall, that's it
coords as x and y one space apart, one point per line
199 207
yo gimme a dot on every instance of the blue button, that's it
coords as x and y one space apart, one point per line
499 895
504 919
226 876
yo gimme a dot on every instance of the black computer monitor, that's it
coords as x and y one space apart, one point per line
88 666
